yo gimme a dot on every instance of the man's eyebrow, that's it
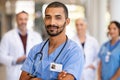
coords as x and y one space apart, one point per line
57 15
47 15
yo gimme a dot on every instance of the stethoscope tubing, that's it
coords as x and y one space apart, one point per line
40 52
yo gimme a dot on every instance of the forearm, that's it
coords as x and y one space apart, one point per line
116 75
26 76
65 76
68 77
99 70
35 79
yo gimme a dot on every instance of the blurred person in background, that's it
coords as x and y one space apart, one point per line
90 48
16 44
109 64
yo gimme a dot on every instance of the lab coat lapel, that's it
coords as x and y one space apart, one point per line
79 43
86 45
28 44
30 41
19 42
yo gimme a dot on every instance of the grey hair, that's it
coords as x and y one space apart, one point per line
83 19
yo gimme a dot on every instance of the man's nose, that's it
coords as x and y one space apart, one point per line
53 21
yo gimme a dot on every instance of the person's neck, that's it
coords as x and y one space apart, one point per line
56 41
114 40
23 32
82 38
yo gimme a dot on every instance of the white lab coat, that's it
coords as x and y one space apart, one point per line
11 48
91 49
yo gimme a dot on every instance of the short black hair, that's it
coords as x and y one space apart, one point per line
21 12
57 5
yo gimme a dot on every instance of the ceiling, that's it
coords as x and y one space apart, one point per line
77 2
63 1
48 1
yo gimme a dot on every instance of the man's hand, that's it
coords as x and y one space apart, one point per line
35 79
91 67
25 76
21 59
65 76
62 75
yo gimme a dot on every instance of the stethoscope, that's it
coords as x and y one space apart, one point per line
33 74
109 52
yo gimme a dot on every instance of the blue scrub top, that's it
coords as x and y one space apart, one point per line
71 58
109 68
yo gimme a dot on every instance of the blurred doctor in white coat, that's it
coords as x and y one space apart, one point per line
90 48
15 46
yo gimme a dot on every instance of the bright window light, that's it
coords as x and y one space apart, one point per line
28 6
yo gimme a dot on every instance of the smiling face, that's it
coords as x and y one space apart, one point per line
22 19
55 20
80 27
113 31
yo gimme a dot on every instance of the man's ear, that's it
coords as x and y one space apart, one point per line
67 21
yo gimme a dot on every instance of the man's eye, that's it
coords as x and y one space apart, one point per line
47 17
58 18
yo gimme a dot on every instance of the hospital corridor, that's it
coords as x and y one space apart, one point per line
93 25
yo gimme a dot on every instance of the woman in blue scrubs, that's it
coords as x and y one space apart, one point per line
109 65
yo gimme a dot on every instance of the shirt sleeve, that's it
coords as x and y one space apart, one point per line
5 58
96 52
101 51
74 62
28 64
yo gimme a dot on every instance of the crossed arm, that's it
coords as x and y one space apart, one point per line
25 76
62 76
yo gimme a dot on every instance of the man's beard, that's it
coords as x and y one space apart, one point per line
57 33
